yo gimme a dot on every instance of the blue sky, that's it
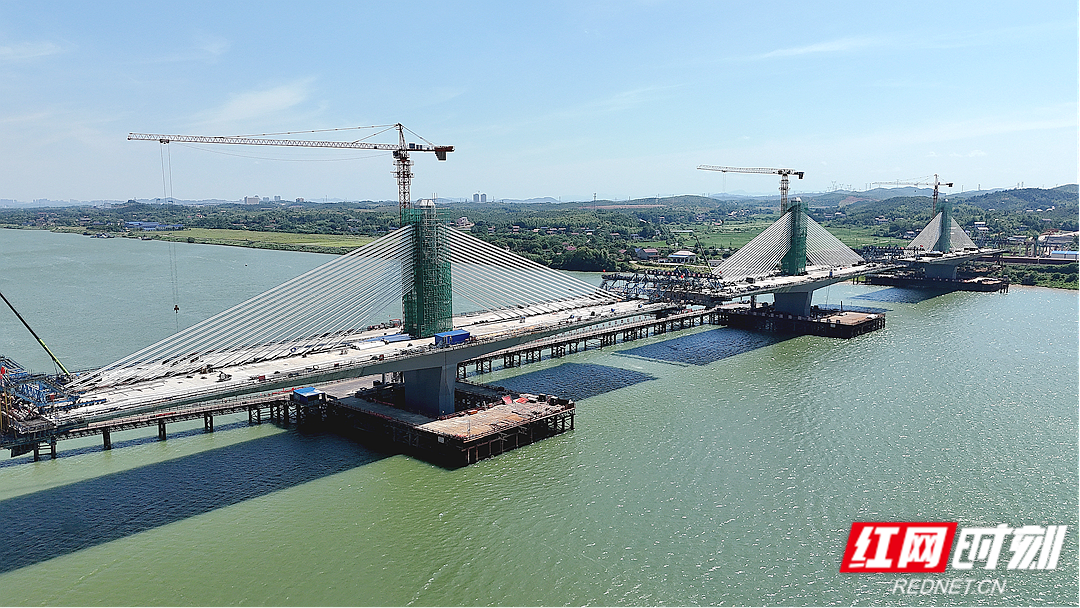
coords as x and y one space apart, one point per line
561 99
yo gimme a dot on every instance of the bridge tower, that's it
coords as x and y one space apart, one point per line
794 261
944 240
787 248
426 301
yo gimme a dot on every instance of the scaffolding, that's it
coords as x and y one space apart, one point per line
794 261
944 241
427 300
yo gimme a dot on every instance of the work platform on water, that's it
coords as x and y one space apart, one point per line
491 420
915 280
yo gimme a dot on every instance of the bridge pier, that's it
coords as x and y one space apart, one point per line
430 391
940 271
52 449
793 302
161 430
208 423
106 439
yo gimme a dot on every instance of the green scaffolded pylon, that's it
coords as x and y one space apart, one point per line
944 241
427 303
794 261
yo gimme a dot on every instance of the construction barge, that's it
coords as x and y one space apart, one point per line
823 322
914 280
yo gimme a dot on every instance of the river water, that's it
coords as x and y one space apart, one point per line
711 466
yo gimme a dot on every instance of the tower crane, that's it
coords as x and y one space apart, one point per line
783 173
400 150
936 183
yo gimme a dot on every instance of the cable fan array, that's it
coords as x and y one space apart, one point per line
928 238
762 255
325 308
318 310
501 282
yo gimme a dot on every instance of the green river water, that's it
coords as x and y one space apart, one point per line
711 466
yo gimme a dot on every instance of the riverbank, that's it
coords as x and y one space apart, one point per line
1059 277
282 241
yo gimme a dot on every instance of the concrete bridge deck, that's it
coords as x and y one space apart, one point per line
371 353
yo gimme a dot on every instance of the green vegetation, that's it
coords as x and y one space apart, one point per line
1063 276
601 235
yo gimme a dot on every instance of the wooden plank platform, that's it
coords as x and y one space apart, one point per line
459 439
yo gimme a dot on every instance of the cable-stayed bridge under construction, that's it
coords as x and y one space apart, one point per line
328 324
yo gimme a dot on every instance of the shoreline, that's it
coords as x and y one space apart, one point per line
282 245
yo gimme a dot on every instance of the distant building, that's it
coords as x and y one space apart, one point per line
152 226
479 197
646 253
251 200
682 257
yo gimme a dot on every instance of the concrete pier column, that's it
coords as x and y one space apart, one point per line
106 439
430 391
161 430
208 423
941 271
793 302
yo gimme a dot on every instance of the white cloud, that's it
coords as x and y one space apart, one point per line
832 46
24 51
212 45
256 104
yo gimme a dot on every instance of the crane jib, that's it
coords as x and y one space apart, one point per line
440 151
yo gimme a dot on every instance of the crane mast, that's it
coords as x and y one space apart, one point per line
400 151
783 173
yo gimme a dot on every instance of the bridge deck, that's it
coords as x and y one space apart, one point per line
367 354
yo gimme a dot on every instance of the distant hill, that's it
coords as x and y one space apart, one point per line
1027 198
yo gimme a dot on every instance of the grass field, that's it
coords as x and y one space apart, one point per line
249 238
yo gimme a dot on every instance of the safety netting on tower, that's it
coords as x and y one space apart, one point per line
502 283
930 237
764 254
319 310
427 301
